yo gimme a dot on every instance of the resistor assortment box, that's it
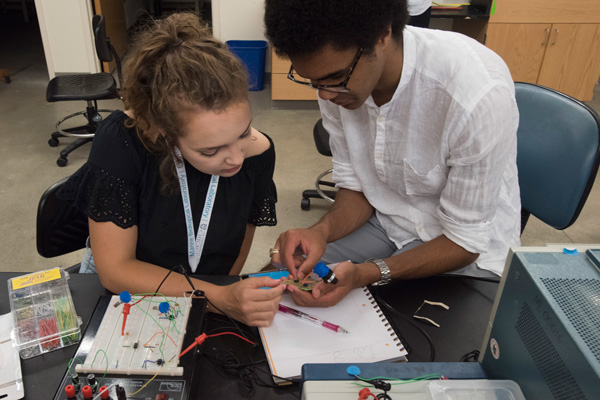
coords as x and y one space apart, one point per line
43 312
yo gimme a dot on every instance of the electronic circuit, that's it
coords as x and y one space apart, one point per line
307 284
137 355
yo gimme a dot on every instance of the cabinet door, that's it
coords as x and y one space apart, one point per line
116 29
284 89
521 46
572 61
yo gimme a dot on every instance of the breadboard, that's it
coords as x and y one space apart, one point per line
150 343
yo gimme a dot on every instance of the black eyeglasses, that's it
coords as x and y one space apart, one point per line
337 88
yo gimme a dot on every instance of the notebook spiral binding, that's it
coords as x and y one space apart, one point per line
400 342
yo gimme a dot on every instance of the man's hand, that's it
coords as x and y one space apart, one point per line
246 302
296 243
327 294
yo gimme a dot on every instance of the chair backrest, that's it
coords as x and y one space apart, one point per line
321 137
558 153
104 49
61 227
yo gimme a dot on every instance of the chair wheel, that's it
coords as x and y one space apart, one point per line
61 162
305 204
53 142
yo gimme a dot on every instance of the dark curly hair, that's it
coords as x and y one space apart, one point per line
176 66
302 27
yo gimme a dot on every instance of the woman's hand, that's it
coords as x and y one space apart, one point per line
247 303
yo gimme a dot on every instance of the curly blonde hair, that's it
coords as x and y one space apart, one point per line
175 67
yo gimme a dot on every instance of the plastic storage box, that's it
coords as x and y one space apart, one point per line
43 312
253 54
482 389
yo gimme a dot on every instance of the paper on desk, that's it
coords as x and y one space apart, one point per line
11 381
289 342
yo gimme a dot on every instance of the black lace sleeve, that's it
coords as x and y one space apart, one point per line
265 193
102 196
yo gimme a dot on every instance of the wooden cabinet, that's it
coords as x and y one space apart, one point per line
572 60
564 57
554 43
284 89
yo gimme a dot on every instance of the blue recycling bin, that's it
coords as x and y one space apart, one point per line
252 53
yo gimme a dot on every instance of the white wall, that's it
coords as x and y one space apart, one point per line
239 20
66 29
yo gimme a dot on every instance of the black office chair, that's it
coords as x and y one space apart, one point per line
87 87
61 227
321 137
558 153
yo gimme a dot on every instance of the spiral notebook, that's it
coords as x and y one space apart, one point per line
291 342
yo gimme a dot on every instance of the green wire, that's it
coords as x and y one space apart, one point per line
154 301
397 381
71 362
153 319
151 294
94 360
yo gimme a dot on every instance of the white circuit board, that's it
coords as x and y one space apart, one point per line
151 341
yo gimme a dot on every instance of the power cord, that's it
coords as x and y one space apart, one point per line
418 328
472 356
246 372
476 278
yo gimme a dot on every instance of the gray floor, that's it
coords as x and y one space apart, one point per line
28 164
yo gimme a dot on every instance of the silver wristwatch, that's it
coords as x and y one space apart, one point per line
386 275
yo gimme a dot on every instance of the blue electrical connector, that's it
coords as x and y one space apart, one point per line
325 273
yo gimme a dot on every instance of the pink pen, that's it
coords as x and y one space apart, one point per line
309 318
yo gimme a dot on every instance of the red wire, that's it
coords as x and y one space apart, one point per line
139 300
200 339
163 334
231 333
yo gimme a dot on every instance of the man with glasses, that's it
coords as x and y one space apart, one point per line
422 128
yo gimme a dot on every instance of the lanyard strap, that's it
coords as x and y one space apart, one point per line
195 246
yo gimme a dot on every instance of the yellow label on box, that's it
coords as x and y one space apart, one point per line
35 278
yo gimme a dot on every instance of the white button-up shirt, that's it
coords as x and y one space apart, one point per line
440 157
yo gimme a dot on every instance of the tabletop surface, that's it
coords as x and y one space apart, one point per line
461 331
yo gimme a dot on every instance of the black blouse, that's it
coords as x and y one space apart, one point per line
120 183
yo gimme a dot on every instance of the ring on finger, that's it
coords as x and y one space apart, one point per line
273 251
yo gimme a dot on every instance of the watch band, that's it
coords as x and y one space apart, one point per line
386 275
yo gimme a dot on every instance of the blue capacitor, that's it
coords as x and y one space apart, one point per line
353 370
325 273
125 296
163 307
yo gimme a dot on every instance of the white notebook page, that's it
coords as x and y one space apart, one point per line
291 342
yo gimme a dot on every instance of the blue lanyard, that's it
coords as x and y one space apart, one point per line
195 246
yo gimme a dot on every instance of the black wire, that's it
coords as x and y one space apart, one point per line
243 375
471 356
165 278
477 278
201 293
228 360
392 309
